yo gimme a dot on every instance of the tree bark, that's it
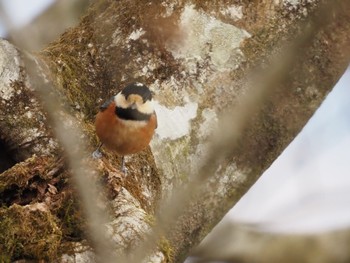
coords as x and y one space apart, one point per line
197 57
239 243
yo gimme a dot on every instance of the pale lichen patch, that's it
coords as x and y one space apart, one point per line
169 8
9 69
136 34
172 158
234 12
206 49
208 124
207 37
292 2
129 221
229 175
116 37
157 257
82 254
166 147
297 5
28 113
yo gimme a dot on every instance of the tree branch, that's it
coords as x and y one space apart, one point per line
234 243
194 55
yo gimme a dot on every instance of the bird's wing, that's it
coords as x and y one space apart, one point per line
155 115
106 104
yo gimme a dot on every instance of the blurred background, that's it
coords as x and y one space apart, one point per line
306 188
21 12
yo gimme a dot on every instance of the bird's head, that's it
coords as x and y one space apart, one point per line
134 103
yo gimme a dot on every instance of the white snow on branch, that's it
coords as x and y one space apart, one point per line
175 123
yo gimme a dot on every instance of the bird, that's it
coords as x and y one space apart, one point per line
126 122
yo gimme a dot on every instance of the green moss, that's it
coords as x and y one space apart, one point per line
167 249
150 219
21 173
70 60
181 149
5 259
28 233
71 219
18 175
71 78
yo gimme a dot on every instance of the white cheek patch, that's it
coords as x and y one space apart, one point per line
146 108
120 101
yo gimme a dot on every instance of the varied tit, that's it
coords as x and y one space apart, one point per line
126 122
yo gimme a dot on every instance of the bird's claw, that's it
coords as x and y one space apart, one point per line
97 154
124 170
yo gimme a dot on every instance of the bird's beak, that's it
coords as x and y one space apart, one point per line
133 106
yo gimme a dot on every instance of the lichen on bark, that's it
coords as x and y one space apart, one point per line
123 41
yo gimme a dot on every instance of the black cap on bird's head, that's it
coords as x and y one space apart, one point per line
137 89
134 102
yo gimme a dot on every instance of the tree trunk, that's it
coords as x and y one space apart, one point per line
199 59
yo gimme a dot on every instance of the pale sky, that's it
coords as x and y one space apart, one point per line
306 189
22 11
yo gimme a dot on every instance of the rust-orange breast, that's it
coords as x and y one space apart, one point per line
124 137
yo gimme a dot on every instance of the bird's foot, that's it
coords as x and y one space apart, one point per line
97 154
123 168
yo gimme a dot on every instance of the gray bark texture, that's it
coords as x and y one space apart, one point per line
233 81
244 243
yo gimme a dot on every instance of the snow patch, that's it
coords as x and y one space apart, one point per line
175 123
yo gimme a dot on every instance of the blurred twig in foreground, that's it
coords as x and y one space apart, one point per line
239 243
70 136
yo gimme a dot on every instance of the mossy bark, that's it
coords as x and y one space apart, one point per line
118 42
